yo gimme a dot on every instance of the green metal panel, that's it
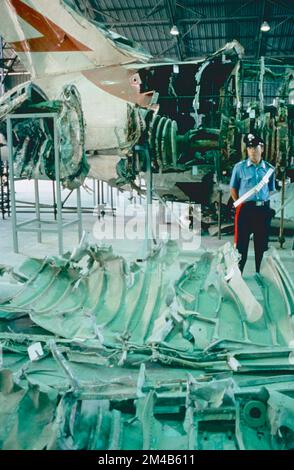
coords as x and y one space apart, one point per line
133 360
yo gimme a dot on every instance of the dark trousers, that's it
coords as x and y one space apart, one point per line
252 219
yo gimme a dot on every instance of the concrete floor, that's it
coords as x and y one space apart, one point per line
130 249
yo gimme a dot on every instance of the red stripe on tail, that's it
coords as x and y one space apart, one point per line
54 38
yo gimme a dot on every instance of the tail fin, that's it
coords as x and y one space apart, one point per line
51 38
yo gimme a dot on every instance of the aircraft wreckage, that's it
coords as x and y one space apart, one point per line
96 353
113 102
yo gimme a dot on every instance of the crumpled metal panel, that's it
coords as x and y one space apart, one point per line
34 138
131 359
20 407
192 413
210 307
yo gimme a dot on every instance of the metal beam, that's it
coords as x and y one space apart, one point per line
245 4
276 57
259 32
190 10
197 4
223 37
1 69
105 14
277 26
96 8
213 19
286 56
282 5
158 7
171 11
172 45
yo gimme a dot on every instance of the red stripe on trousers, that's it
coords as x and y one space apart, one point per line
236 224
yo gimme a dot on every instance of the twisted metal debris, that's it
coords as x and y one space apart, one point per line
146 356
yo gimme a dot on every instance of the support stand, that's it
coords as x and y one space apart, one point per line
148 237
36 224
4 188
281 232
219 222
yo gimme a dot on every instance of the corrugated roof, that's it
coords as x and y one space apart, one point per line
205 25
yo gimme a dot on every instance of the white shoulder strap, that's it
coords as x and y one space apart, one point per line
256 188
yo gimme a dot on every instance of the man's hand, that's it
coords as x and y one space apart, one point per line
234 194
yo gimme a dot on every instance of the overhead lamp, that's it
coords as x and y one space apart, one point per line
265 27
174 31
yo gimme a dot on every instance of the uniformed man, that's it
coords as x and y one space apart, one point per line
254 214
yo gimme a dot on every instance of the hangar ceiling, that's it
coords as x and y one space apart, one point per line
204 27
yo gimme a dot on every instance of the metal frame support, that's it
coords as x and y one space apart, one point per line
57 187
59 225
94 192
37 202
12 187
98 199
1 68
219 221
149 189
148 235
4 188
103 198
79 213
281 230
111 201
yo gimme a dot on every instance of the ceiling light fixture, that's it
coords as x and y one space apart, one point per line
265 27
174 31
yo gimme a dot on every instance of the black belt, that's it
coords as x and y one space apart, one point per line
257 203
